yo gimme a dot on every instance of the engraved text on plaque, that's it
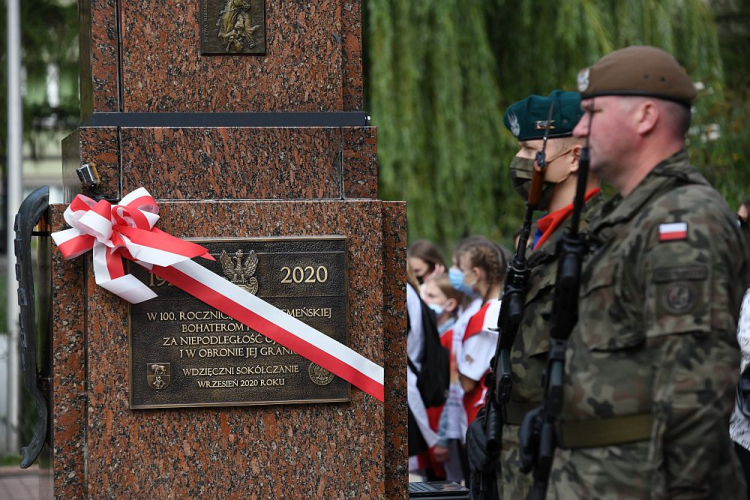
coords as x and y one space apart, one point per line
185 353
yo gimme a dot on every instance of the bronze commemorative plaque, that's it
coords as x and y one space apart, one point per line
233 27
184 353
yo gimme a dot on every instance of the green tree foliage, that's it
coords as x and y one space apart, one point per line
726 158
434 98
543 45
49 36
441 75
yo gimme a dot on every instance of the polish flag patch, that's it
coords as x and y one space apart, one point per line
673 231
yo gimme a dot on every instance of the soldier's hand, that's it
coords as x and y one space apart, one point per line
528 436
476 445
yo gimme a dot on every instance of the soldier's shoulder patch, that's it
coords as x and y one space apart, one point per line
673 231
679 287
679 297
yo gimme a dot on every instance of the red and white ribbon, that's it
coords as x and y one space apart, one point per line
127 231
124 230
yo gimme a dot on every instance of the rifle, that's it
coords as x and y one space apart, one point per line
499 382
539 427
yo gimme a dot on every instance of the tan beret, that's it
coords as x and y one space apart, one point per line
637 71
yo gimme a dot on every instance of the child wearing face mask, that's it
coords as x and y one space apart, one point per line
425 260
442 298
451 430
480 271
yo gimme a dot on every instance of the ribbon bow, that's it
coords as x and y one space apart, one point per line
122 231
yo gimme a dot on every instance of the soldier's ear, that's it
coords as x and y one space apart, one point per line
574 158
646 117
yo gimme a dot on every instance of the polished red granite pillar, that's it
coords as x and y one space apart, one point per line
191 129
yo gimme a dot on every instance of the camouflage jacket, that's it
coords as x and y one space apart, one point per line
659 300
529 353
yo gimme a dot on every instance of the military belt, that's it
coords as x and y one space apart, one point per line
606 432
515 411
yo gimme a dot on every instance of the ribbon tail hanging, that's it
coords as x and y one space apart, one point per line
266 319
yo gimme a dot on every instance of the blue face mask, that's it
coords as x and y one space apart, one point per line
456 276
438 309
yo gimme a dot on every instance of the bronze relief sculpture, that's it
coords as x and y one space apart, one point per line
233 27
237 32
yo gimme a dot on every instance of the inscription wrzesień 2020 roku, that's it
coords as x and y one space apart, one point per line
185 353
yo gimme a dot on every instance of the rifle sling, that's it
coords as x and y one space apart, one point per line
606 432
514 411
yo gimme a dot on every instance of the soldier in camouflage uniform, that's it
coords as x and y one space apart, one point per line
526 119
652 365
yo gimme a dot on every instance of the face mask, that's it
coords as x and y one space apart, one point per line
521 172
437 308
456 277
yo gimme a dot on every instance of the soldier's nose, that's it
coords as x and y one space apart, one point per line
580 130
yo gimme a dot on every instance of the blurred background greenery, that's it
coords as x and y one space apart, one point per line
441 74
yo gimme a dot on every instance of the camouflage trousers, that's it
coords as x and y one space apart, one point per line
512 483
632 471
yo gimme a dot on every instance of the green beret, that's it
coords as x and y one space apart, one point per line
637 71
527 119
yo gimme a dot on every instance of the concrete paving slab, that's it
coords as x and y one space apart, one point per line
19 484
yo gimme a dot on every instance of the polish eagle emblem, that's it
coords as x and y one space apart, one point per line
239 271
583 79
515 127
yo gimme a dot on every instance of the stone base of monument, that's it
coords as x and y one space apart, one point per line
103 448
251 146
